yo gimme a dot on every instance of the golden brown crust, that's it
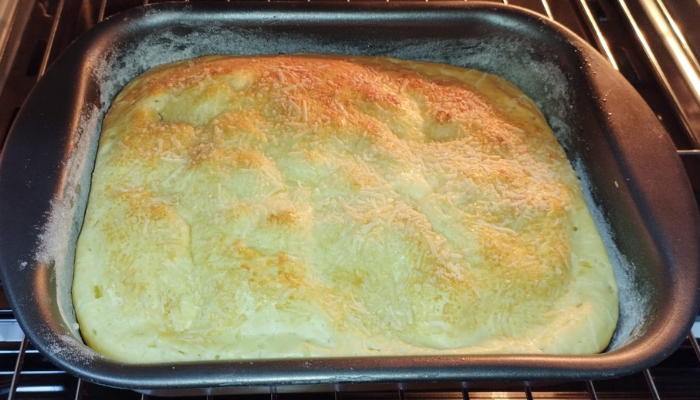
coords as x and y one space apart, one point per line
332 206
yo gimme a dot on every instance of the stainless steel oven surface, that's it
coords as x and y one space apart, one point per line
653 43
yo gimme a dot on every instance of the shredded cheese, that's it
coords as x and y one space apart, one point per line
306 205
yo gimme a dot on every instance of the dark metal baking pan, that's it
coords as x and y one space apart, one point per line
636 184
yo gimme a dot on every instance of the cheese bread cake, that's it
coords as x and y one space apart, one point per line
328 206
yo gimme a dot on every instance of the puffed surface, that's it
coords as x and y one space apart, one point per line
328 206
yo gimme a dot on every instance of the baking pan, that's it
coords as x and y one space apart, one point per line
635 183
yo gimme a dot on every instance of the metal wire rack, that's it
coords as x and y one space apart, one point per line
633 36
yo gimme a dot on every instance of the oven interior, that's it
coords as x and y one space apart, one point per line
653 43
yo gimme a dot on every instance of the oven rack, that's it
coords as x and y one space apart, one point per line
25 374
639 38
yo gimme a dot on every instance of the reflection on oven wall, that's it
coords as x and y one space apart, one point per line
655 44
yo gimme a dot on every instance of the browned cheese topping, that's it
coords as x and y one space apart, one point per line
320 206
